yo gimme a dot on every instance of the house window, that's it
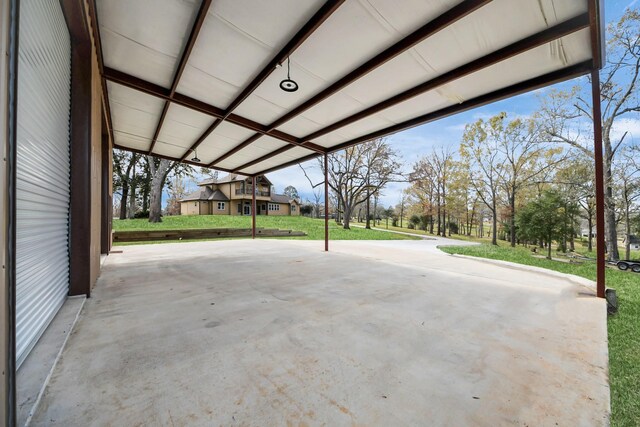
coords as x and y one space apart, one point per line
293 208
274 207
220 206
239 208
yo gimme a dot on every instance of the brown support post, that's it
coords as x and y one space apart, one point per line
253 207
9 31
597 153
326 204
107 200
80 207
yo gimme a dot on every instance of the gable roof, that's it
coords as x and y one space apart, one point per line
280 198
233 177
204 194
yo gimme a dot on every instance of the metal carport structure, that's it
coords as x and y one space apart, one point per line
174 78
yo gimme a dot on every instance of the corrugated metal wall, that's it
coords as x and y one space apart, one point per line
44 84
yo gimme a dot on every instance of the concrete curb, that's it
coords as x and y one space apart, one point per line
34 408
555 274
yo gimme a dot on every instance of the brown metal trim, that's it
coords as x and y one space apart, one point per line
597 23
528 43
432 27
448 18
507 92
567 27
290 163
253 207
265 157
80 204
160 92
8 309
235 149
93 16
201 138
599 178
313 24
182 63
160 156
326 203
106 214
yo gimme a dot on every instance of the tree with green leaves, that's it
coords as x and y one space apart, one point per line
543 219
291 192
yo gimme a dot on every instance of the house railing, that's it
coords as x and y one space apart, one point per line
247 191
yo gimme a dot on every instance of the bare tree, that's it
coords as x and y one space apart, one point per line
358 171
479 153
124 170
565 113
628 188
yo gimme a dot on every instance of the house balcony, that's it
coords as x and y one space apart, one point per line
248 192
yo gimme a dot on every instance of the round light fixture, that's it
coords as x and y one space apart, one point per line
195 157
287 84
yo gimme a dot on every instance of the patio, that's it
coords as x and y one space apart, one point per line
398 333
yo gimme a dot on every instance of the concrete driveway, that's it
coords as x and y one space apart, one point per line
279 333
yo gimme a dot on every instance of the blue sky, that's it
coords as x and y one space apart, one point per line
415 143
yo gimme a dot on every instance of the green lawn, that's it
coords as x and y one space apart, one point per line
313 227
624 327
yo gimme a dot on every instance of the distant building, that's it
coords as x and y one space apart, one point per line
634 241
232 195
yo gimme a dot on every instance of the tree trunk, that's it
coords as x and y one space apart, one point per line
611 235
590 225
512 220
347 217
627 231
572 240
494 223
132 201
549 248
123 200
158 176
368 210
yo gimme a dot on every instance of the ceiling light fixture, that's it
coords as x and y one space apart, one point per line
195 156
287 84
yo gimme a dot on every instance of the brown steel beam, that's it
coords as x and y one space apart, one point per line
531 42
106 208
95 29
421 34
513 90
567 27
80 201
289 163
313 24
448 18
326 203
599 178
160 156
186 101
507 92
598 45
253 207
265 157
191 41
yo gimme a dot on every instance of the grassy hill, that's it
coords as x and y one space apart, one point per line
313 227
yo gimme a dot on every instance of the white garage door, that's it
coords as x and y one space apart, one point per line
42 186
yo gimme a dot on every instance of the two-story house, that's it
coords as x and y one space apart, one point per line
232 195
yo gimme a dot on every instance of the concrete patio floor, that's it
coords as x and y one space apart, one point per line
277 332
